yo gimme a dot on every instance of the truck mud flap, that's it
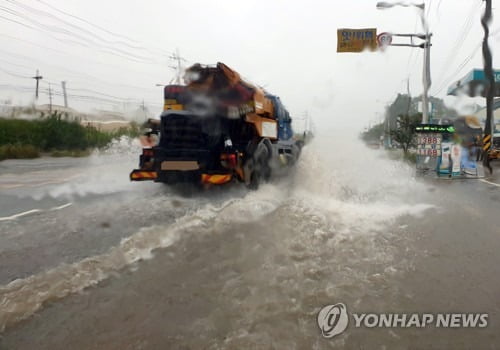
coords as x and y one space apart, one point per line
216 179
143 175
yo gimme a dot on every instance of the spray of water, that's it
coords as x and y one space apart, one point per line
332 210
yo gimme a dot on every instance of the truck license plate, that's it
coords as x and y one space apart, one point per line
180 165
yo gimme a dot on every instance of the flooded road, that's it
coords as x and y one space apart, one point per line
140 266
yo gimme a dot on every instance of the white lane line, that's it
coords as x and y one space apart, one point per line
15 216
32 211
61 206
8 186
490 183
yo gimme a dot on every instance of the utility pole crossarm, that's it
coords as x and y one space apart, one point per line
178 58
37 77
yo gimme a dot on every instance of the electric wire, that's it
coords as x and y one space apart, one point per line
453 53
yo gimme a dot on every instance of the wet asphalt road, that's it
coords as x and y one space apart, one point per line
139 266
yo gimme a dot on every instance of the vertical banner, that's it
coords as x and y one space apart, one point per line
444 166
456 159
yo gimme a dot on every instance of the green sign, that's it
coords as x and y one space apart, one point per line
427 128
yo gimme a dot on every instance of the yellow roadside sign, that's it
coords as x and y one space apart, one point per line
356 40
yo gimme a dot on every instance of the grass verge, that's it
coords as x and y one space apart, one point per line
18 152
56 135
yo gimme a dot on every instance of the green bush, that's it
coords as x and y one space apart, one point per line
18 152
55 133
411 158
66 153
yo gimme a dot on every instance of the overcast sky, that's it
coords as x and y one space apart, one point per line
118 50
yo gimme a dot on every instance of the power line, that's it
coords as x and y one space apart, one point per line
410 55
73 72
74 34
75 26
91 91
36 30
93 97
152 49
16 87
464 33
459 69
82 40
87 22
15 74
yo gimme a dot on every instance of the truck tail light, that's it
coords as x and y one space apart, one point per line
229 160
149 140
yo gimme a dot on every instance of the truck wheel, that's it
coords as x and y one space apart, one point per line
258 166
254 180
263 164
295 154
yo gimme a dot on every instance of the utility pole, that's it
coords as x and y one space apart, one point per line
50 99
63 84
143 107
489 127
178 58
409 96
37 77
426 77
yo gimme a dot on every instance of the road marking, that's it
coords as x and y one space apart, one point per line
36 184
7 187
15 216
61 206
32 211
489 182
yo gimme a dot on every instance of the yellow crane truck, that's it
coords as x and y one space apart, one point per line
216 129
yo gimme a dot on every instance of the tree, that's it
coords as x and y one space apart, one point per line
374 134
405 105
404 133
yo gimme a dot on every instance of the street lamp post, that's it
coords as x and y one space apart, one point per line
426 75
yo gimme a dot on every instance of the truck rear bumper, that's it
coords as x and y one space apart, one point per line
216 179
197 166
174 176
143 175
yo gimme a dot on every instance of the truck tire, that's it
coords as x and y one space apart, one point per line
295 153
258 165
254 181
